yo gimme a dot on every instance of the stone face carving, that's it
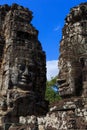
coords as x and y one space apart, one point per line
23 75
22 66
73 49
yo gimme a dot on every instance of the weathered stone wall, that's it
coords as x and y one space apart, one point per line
67 114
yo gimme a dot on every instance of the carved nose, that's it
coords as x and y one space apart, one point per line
26 73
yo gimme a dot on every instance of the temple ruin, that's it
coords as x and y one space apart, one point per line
23 73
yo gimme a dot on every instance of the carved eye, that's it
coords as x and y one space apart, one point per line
22 67
31 68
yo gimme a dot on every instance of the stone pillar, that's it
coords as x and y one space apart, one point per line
73 48
22 66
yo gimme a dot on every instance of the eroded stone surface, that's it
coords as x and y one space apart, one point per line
22 66
73 53
61 118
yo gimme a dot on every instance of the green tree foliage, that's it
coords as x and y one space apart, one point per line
51 95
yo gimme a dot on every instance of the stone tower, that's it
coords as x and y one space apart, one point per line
72 77
22 66
73 53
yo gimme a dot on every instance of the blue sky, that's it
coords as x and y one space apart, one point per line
48 18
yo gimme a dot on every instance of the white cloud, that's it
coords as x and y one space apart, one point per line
52 69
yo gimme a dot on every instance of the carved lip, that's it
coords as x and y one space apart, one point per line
64 85
61 89
25 84
25 79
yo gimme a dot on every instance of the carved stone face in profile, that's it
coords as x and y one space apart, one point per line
23 75
70 79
